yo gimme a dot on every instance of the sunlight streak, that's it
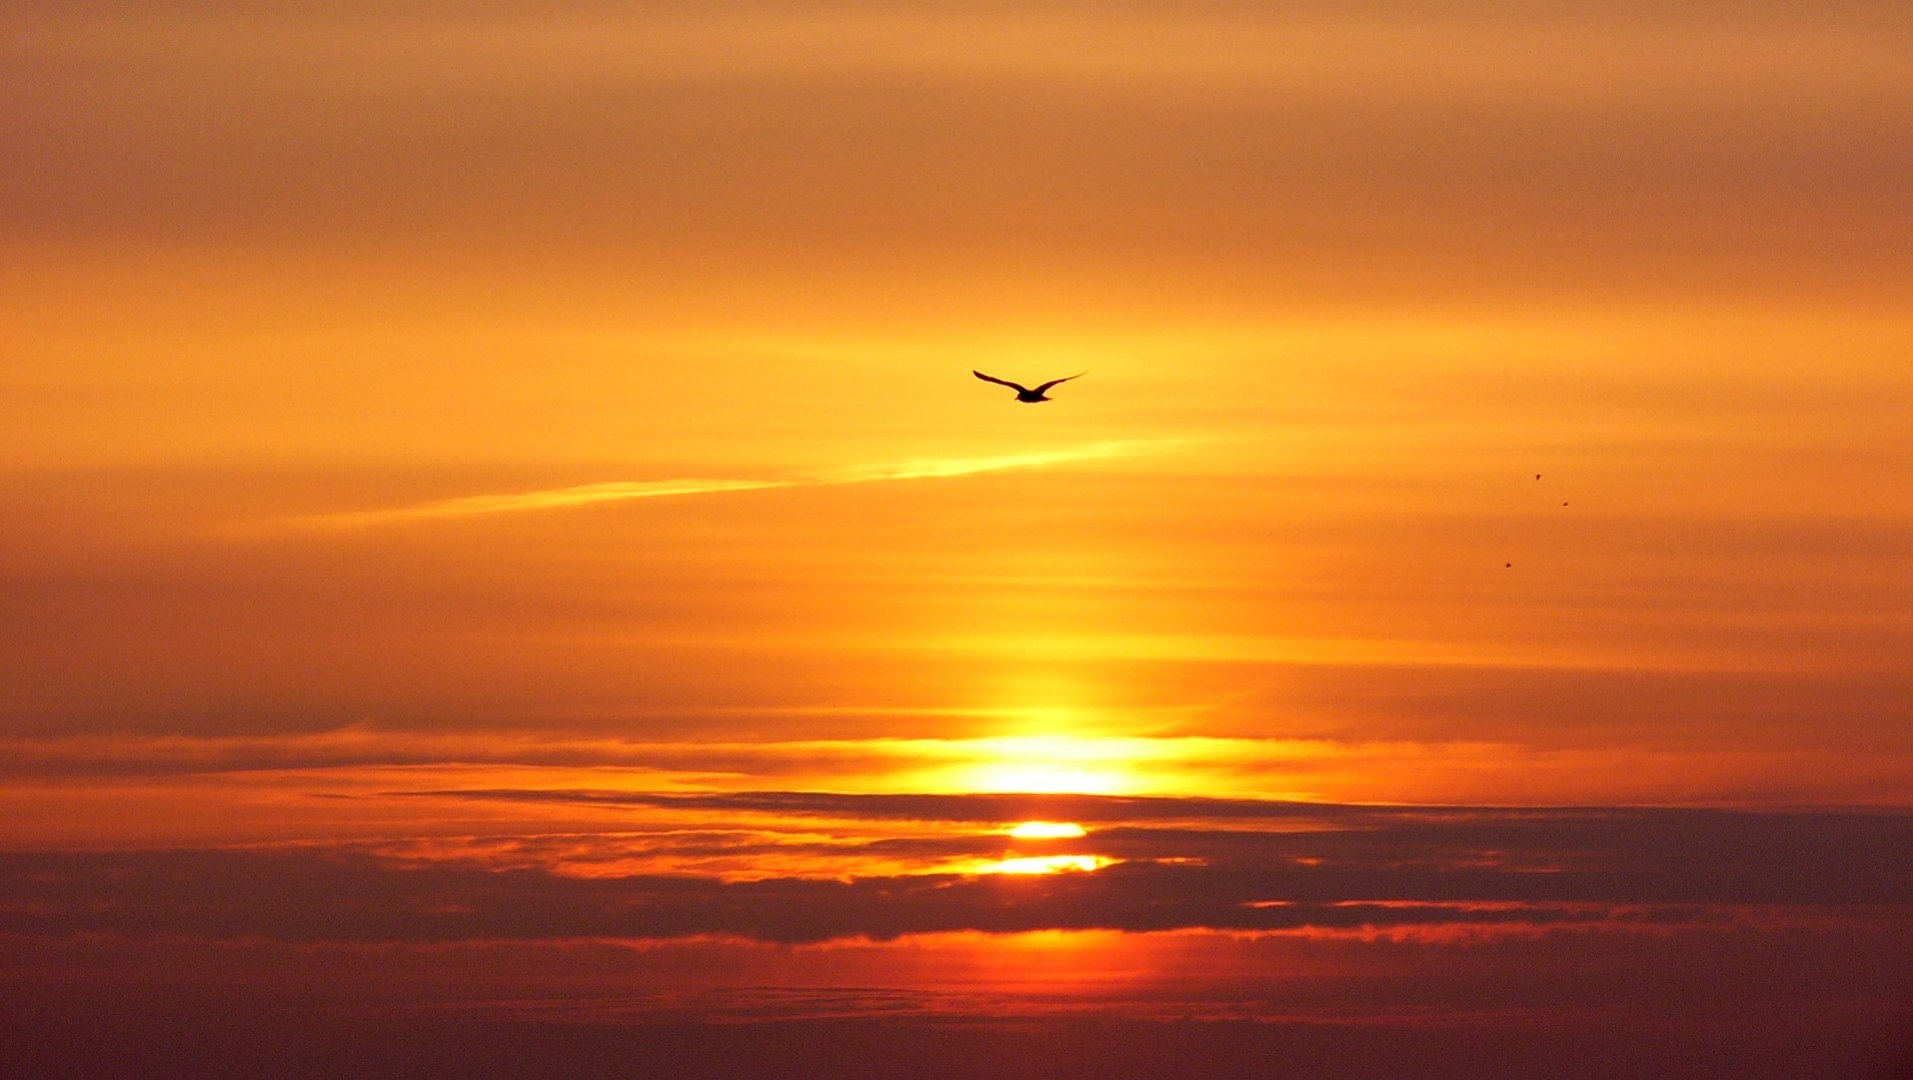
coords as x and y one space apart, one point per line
1045 864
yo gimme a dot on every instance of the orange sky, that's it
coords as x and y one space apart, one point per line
588 374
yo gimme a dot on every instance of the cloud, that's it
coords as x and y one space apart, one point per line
1343 869
627 490
593 772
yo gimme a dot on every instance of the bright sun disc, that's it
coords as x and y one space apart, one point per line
1047 830
1051 765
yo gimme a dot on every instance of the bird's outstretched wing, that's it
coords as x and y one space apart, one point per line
1018 387
1044 389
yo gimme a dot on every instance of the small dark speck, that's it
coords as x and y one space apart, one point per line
1506 564
1564 504
1537 476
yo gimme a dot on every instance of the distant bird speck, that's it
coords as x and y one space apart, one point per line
1024 393
1537 476
1505 565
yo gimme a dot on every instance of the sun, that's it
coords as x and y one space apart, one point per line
1073 764
1048 830
1051 765
1030 779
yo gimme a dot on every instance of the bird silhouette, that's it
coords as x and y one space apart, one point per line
1024 393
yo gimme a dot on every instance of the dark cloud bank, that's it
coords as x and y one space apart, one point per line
1328 942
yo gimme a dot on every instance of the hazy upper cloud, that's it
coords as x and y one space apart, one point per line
1389 146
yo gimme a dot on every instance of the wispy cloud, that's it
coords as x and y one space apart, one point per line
625 490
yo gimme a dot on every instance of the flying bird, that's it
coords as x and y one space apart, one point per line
1024 393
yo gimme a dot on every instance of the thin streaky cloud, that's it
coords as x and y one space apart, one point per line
547 499
626 490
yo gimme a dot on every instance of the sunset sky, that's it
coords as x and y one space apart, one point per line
501 538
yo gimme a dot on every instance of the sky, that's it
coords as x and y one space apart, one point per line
502 544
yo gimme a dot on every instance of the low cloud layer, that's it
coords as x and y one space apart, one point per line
1174 864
